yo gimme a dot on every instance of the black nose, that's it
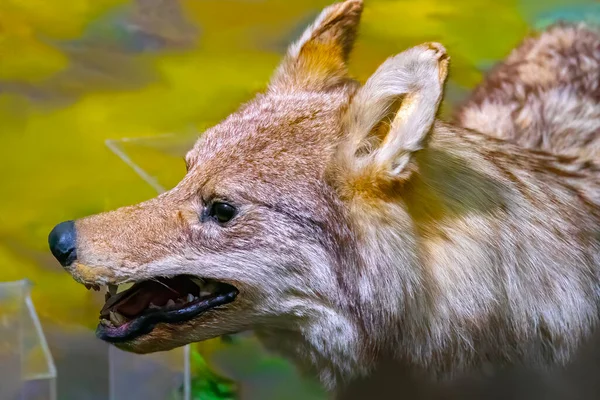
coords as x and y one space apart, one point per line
62 243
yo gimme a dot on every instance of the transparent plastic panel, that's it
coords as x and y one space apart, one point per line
26 365
158 160
157 376
12 304
39 371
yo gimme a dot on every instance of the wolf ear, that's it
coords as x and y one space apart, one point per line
390 117
318 59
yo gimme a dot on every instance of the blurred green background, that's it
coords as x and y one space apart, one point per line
74 73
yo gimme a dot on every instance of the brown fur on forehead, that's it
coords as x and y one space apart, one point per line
275 146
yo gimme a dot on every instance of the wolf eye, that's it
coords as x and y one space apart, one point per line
222 212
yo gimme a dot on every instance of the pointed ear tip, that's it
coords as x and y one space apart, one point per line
436 46
350 7
355 4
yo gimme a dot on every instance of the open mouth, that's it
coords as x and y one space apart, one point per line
134 312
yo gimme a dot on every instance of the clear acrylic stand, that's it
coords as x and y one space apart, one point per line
157 376
27 370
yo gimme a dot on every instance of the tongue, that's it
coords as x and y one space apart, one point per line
134 301
151 292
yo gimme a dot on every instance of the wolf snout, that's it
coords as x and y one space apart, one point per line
62 240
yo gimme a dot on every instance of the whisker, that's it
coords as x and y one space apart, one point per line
165 285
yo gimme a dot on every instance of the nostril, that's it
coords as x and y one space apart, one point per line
62 243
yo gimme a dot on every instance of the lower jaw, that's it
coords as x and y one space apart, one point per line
138 328
151 343
145 324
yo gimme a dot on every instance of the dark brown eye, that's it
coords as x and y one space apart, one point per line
222 212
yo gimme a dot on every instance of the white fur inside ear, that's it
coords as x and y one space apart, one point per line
294 49
400 164
416 76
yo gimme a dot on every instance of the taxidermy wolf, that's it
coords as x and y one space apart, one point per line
344 222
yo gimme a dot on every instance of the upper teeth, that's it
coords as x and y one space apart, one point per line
117 318
207 289
198 281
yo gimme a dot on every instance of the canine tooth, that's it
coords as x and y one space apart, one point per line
198 281
107 323
121 318
117 318
204 293
190 297
170 303
211 287
124 287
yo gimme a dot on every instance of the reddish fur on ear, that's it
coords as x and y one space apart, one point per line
318 59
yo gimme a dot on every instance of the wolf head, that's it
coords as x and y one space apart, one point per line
274 226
